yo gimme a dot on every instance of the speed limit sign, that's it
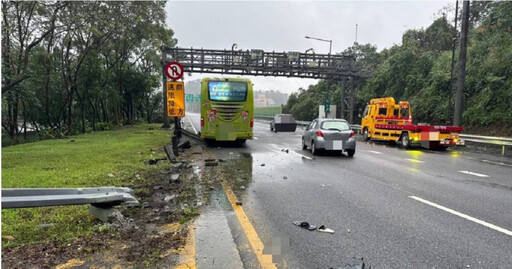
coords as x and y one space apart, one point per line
174 70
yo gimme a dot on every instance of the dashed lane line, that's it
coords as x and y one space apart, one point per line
473 173
415 161
376 152
462 215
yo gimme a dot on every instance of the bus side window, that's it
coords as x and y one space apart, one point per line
365 113
382 111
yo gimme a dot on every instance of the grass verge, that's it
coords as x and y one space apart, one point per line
109 158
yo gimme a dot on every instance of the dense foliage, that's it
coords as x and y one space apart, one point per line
418 70
70 67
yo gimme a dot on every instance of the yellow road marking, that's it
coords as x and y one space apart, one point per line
188 254
250 232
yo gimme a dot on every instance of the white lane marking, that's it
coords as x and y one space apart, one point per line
456 213
504 164
291 151
189 120
376 152
415 161
473 174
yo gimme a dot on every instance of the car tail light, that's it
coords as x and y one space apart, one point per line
252 122
202 122
352 134
319 133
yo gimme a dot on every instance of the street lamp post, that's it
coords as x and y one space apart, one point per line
324 40
327 102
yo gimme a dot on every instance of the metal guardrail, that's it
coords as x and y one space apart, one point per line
38 197
494 140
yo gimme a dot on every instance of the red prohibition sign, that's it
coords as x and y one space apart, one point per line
174 70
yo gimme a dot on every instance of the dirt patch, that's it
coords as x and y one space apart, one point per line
169 198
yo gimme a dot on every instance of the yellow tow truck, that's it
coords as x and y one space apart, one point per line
383 119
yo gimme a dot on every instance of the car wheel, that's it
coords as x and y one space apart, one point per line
314 151
304 146
351 152
404 140
271 129
366 137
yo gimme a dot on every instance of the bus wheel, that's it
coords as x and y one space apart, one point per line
366 137
404 140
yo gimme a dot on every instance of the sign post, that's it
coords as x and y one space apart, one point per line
175 99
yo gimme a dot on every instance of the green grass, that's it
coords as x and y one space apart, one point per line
86 162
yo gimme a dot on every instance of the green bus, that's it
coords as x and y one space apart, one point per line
227 109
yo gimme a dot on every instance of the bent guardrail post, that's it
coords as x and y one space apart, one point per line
101 198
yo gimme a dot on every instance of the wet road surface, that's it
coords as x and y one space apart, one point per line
396 208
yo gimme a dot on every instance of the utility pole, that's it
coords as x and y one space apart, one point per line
461 66
450 95
356 33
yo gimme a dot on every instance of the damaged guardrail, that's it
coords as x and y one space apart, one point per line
38 197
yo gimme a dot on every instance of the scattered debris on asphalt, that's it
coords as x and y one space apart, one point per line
355 263
211 162
262 164
324 229
285 177
238 203
305 225
285 150
242 187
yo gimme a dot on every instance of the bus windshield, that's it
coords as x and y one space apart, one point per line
227 91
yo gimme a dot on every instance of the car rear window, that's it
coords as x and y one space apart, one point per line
339 125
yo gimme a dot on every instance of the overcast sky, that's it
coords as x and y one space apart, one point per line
282 26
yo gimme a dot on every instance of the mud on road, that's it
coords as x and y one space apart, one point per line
156 230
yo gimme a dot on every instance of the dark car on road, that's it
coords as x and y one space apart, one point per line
329 134
283 123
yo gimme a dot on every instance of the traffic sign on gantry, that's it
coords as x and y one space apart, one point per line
174 70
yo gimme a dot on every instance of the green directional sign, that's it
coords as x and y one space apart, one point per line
193 98
327 106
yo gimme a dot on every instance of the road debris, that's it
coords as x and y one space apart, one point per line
285 177
169 198
238 203
154 161
242 187
211 162
324 229
184 145
305 225
356 263
262 164
8 237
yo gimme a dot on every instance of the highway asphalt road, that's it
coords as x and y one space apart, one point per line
396 208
